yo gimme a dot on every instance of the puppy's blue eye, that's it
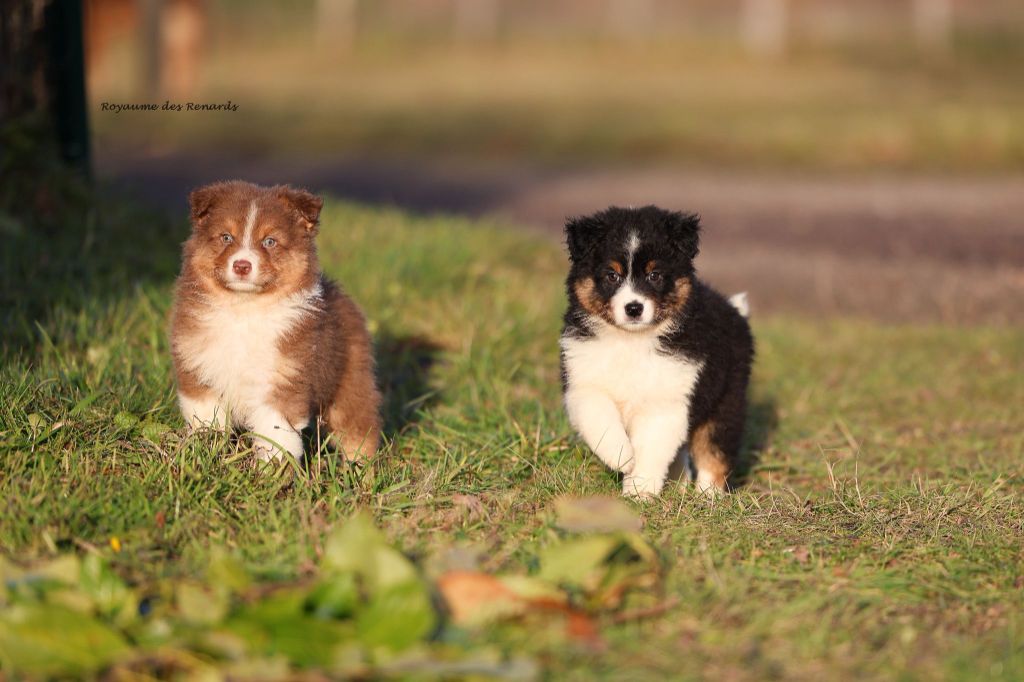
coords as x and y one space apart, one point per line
268 242
227 238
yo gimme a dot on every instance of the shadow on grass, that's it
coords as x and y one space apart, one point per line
762 420
403 372
404 363
68 253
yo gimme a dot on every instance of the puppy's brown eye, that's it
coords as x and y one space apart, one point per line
227 238
612 277
268 242
654 277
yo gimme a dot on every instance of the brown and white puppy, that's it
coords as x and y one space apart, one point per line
261 339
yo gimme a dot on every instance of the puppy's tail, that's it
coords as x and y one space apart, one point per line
739 302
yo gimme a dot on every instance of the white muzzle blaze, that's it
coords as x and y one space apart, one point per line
631 309
238 279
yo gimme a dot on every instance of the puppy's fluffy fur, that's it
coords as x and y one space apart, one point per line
261 339
653 360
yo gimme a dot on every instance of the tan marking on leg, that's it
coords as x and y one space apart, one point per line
710 462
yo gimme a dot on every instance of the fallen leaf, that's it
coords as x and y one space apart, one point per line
581 627
397 611
396 617
335 596
66 569
475 599
47 640
358 546
225 572
199 604
278 626
603 567
595 514
111 596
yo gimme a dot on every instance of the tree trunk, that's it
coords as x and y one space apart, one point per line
66 76
22 59
42 74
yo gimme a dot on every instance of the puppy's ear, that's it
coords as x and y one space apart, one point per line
305 204
203 199
684 229
581 234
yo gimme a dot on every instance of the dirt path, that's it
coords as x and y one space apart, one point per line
946 250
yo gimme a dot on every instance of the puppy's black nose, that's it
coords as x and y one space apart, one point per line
634 309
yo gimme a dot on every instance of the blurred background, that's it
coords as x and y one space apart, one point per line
861 157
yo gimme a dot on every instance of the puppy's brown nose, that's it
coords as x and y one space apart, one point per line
242 267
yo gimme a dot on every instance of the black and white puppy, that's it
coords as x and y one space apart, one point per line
653 359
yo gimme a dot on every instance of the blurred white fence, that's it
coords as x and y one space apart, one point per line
174 32
764 27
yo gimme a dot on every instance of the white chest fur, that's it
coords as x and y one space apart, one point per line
630 370
235 350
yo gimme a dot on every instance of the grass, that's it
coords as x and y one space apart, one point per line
864 109
879 534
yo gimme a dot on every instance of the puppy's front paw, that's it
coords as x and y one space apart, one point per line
265 452
616 456
624 465
640 488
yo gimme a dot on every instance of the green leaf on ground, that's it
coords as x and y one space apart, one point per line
357 546
397 616
279 626
603 567
50 640
226 572
199 604
335 596
111 596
